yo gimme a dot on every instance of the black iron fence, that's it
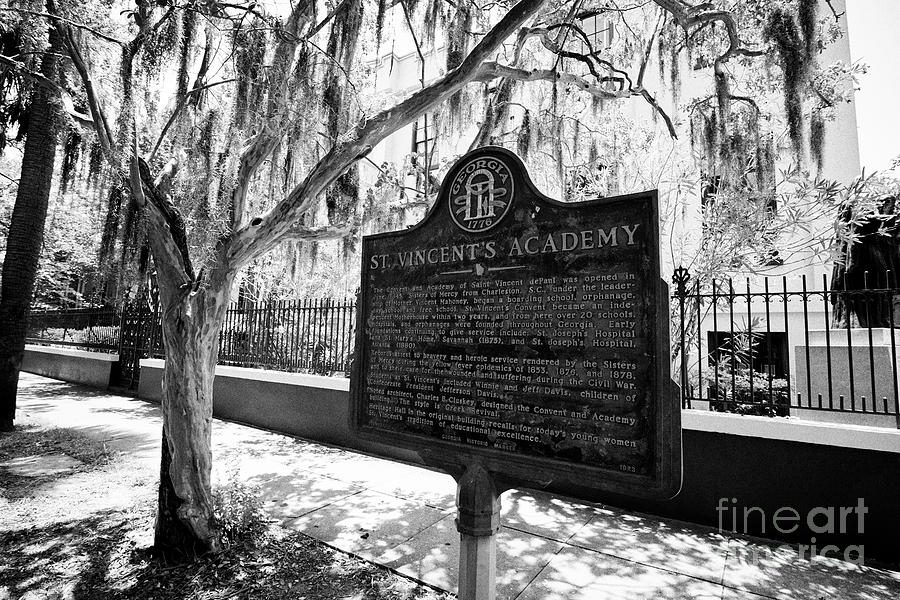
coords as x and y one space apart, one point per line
788 346
775 346
313 336
93 329
297 335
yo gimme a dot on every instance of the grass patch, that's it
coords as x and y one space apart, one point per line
31 441
28 441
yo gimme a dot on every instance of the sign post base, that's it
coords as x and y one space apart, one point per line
478 520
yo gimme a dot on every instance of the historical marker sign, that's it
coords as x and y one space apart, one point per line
524 334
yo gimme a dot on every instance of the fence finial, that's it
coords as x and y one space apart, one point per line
680 278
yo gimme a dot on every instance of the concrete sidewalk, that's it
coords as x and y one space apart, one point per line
401 516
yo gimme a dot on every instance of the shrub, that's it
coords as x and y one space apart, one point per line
238 510
735 397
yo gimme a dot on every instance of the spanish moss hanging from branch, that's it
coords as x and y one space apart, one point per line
206 144
523 140
95 165
381 11
343 194
432 17
72 151
807 11
495 111
250 48
817 138
188 33
765 164
110 234
782 30
557 138
159 48
457 45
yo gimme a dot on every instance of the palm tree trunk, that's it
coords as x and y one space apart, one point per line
26 232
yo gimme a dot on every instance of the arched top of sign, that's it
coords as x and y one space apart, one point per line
481 194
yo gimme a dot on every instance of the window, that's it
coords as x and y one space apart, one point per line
599 30
770 351
423 145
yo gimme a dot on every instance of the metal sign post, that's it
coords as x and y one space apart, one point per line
478 520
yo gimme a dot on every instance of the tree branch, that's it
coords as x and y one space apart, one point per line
837 15
689 16
264 232
50 85
646 95
397 185
182 102
101 125
304 233
491 70
170 247
593 56
750 101
649 48
59 19
325 21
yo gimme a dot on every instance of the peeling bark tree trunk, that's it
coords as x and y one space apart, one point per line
26 234
185 526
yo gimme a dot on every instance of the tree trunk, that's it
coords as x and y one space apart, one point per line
26 233
185 526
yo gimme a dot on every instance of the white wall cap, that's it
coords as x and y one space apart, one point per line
859 337
301 379
71 352
790 429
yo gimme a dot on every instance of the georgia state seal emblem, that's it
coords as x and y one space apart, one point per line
481 194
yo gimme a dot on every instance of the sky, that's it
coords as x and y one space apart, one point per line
874 32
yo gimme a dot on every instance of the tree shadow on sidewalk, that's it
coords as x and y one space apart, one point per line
101 558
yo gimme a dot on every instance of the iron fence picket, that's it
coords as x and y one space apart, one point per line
751 372
871 346
805 299
825 303
770 364
750 343
290 335
847 321
787 335
891 306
